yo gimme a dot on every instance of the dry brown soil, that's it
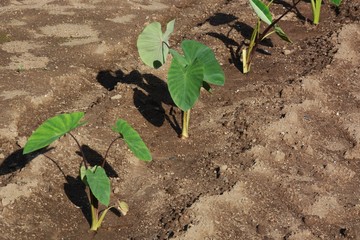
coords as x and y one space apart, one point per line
274 154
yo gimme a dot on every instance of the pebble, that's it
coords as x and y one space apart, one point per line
287 52
116 97
223 168
116 190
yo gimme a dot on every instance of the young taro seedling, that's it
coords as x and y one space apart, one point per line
197 68
264 15
316 6
94 177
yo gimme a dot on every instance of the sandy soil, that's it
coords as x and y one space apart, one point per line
273 154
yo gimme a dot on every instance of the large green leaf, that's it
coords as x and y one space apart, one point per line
153 44
194 50
336 2
133 140
262 11
52 129
99 184
184 82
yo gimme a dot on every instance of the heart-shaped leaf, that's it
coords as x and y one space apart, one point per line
194 50
133 140
153 44
52 129
99 184
184 83
262 11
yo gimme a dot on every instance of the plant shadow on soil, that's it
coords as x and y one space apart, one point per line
149 95
17 160
296 10
232 45
95 158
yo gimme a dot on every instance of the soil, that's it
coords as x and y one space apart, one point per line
273 154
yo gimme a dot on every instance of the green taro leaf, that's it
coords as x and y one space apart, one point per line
336 2
184 83
83 173
282 34
99 184
262 11
153 44
133 140
169 29
179 58
194 50
52 129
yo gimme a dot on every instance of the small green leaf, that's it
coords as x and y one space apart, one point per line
153 44
282 34
336 2
262 11
184 83
123 207
133 140
99 184
52 129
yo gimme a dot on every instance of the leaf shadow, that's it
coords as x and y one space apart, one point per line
221 19
17 160
298 13
149 95
235 46
95 158
75 191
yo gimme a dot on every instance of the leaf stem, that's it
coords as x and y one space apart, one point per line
186 121
94 212
316 8
107 151
81 150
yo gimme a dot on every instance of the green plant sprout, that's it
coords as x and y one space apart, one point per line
316 6
197 68
264 15
94 177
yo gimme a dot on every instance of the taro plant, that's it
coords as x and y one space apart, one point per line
94 177
196 68
264 15
316 7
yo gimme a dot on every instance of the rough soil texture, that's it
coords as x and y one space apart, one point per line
274 154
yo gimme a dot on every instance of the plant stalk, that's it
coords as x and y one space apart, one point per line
316 8
107 151
94 212
260 37
81 150
186 121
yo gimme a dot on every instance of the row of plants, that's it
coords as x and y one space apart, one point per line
190 71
